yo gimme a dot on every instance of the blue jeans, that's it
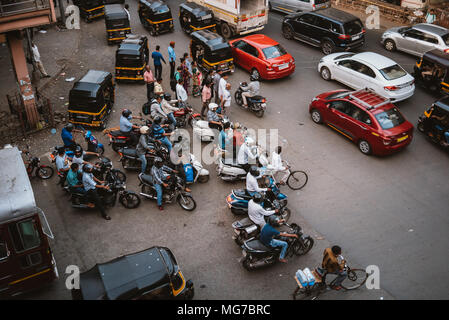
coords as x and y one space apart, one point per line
171 117
158 188
143 159
279 243
167 143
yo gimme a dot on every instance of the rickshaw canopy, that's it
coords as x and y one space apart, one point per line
443 104
196 10
114 12
155 6
438 57
88 89
212 40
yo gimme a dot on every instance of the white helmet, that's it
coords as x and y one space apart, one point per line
144 130
249 141
213 106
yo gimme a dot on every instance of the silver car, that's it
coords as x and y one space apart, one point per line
292 6
416 40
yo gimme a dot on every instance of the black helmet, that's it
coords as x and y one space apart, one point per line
78 149
167 96
254 171
87 167
69 127
157 120
126 113
257 197
273 220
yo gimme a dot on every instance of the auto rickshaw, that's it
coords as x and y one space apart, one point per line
155 16
91 99
211 51
130 60
90 9
151 274
432 71
26 259
117 23
435 122
194 17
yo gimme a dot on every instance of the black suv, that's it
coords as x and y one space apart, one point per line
330 29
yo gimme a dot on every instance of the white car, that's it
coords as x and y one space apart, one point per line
368 70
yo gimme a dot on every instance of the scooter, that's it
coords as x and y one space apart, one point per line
92 143
238 199
202 130
174 191
200 174
257 255
256 104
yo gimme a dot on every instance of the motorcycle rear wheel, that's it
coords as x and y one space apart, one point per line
130 200
260 113
186 202
246 264
44 172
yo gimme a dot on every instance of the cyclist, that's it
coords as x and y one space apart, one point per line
334 263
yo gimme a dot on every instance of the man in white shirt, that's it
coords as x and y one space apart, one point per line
226 99
181 93
252 186
256 213
37 60
277 165
245 154
222 85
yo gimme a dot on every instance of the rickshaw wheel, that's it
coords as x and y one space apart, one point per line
420 127
152 31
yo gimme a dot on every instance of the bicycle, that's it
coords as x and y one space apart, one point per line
296 180
355 279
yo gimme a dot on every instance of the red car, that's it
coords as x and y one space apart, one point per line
370 120
262 56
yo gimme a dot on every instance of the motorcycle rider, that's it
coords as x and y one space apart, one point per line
144 146
78 157
156 109
91 184
252 186
158 133
62 161
126 127
245 154
256 213
67 136
168 108
269 232
159 178
75 186
250 90
213 117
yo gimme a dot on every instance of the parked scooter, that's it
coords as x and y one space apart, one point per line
174 191
256 104
257 255
200 174
92 143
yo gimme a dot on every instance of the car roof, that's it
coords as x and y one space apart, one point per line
369 100
335 14
260 40
374 59
427 27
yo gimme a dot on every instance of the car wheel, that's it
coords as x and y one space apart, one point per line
316 116
389 45
364 147
255 73
327 47
287 32
325 73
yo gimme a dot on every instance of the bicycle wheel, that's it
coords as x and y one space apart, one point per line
297 180
355 279
310 293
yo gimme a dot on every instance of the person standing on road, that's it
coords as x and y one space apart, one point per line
222 85
37 60
197 79
181 93
172 59
216 81
91 184
225 99
149 80
185 75
206 96
334 263
157 57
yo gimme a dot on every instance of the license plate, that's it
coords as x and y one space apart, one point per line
283 66
356 37
402 138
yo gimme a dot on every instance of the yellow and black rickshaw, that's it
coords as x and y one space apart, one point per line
117 23
90 9
130 60
432 70
91 99
435 122
155 16
194 17
211 51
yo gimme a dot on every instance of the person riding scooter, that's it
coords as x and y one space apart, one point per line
213 117
144 146
252 186
251 90
246 154
159 178
126 127
158 133
256 213
268 233
91 184
67 136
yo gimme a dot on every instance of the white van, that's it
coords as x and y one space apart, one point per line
291 6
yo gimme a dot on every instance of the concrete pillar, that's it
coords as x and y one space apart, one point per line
15 43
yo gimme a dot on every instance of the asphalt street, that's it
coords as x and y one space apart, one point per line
391 212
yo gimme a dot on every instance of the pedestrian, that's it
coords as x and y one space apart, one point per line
37 60
172 59
181 94
225 99
206 96
216 81
185 75
222 85
431 16
196 80
149 80
157 57
188 62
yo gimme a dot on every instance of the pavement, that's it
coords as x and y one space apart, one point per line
390 212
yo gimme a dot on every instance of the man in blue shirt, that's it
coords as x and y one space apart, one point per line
158 133
67 136
269 232
157 57
225 137
126 127
91 184
172 59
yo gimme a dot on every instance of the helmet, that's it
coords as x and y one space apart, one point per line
249 141
144 129
69 127
158 161
257 197
213 106
254 171
273 220
253 78
87 167
78 149
157 120
167 96
126 113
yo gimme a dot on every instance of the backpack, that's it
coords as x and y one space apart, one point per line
146 108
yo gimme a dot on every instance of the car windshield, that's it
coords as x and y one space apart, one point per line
353 27
390 118
274 51
337 95
446 39
393 72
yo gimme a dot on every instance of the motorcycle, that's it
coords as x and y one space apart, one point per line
202 130
174 191
183 115
245 229
34 166
257 255
256 104
104 171
238 199
131 161
117 140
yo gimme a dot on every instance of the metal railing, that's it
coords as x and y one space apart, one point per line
12 7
